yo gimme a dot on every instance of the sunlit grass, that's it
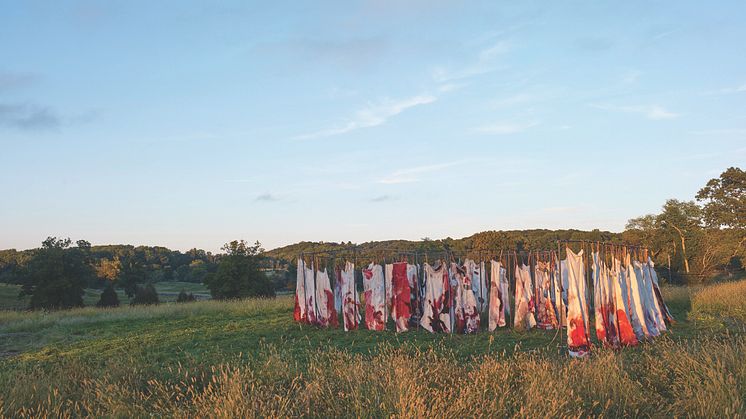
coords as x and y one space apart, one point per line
248 358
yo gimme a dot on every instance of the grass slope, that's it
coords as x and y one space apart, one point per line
248 358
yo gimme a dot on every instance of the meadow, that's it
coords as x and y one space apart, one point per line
248 358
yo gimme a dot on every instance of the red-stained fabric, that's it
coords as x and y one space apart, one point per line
436 316
546 317
524 299
603 301
299 311
375 297
401 296
627 335
350 300
577 307
327 314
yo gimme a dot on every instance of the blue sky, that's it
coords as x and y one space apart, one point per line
188 124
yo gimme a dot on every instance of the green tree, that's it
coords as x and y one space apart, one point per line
108 298
238 274
56 276
724 200
146 295
131 273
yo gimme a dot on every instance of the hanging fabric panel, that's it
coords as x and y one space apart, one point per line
436 315
375 297
652 307
559 292
524 299
388 276
299 311
646 299
499 305
603 302
546 317
658 296
577 307
310 288
402 296
467 316
637 311
325 301
618 274
476 272
350 300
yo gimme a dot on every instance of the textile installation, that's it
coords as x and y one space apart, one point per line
436 315
375 297
310 287
350 300
627 336
448 297
465 303
299 312
603 303
402 296
658 296
325 301
478 276
499 297
559 291
524 299
578 342
388 277
546 315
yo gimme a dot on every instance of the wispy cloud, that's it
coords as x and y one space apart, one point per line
9 81
28 117
412 174
505 128
266 197
383 198
653 112
371 116
486 62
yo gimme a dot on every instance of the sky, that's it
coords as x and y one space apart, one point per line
189 124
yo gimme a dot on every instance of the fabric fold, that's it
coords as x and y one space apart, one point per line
577 308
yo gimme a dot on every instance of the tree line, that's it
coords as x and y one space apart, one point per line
693 240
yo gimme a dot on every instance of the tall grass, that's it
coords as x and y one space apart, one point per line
702 376
669 378
725 302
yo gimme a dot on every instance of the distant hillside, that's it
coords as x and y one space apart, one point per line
539 239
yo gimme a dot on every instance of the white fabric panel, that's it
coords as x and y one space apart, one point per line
524 299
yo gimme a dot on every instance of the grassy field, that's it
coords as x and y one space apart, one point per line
167 291
248 358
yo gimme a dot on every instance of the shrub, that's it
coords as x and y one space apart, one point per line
108 298
185 298
145 295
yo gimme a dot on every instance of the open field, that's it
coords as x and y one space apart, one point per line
248 358
167 291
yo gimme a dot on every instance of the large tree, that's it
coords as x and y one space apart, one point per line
239 274
724 200
56 276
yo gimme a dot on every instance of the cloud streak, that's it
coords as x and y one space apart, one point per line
652 112
371 116
383 198
28 117
485 63
266 197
